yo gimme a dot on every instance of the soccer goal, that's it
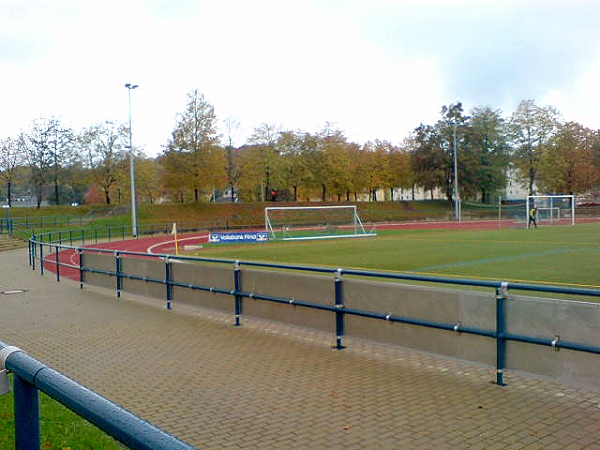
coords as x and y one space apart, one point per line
315 222
552 209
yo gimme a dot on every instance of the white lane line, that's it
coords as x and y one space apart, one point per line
172 241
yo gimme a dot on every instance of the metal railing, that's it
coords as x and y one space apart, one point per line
32 376
336 307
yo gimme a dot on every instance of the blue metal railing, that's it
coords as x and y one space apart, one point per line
337 306
31 376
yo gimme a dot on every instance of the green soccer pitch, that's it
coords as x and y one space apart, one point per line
558 255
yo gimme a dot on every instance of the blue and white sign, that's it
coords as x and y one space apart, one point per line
238 237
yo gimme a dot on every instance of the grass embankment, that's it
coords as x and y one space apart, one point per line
203 215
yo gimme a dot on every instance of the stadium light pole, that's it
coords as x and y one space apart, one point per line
456 191
134 225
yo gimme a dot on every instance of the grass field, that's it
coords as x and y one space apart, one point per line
61 429
559 255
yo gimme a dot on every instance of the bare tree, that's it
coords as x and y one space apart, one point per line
103 146
11 158
232 169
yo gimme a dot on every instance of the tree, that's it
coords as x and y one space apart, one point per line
174 175
567 165
461 161
61 142
40 151
103 147
487 142
329 160
231 155
292 148
146 174
429 162
377 167
402 175
264 138
194 154
11 158
531 127
251 179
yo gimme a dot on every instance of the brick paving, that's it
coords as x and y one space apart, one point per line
268 386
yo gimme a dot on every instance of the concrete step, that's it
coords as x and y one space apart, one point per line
9 243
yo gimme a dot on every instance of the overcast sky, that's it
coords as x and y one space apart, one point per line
374 68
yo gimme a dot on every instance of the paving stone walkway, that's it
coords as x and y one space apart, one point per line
268 386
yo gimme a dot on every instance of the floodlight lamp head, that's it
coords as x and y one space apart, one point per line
131 86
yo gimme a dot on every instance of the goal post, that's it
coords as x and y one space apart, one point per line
314 222
553 209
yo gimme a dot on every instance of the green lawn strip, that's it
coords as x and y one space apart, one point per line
61 429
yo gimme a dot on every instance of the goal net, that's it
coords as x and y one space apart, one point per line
552 209
314 222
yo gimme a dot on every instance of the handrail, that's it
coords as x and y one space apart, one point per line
31 376
337 307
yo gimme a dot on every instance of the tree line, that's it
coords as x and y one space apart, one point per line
51 162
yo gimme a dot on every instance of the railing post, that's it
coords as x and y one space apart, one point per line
41 258
236 290
33 247
27 415
57 265
339 310
118 273
168 284
81 275
501 294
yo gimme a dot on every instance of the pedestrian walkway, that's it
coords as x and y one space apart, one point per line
268 386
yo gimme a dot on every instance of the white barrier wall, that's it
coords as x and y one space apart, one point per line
567 321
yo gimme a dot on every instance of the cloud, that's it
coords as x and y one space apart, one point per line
376 69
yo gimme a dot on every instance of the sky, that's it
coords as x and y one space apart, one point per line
374 69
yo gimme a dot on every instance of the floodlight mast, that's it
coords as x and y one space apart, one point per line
134 225
457 215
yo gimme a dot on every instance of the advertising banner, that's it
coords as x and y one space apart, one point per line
238 237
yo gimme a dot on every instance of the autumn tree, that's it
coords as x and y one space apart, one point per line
146 173
532 128
193 157
293 147
264 138
377 167
329 160
567 164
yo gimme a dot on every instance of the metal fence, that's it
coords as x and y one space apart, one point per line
31 376
484 321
